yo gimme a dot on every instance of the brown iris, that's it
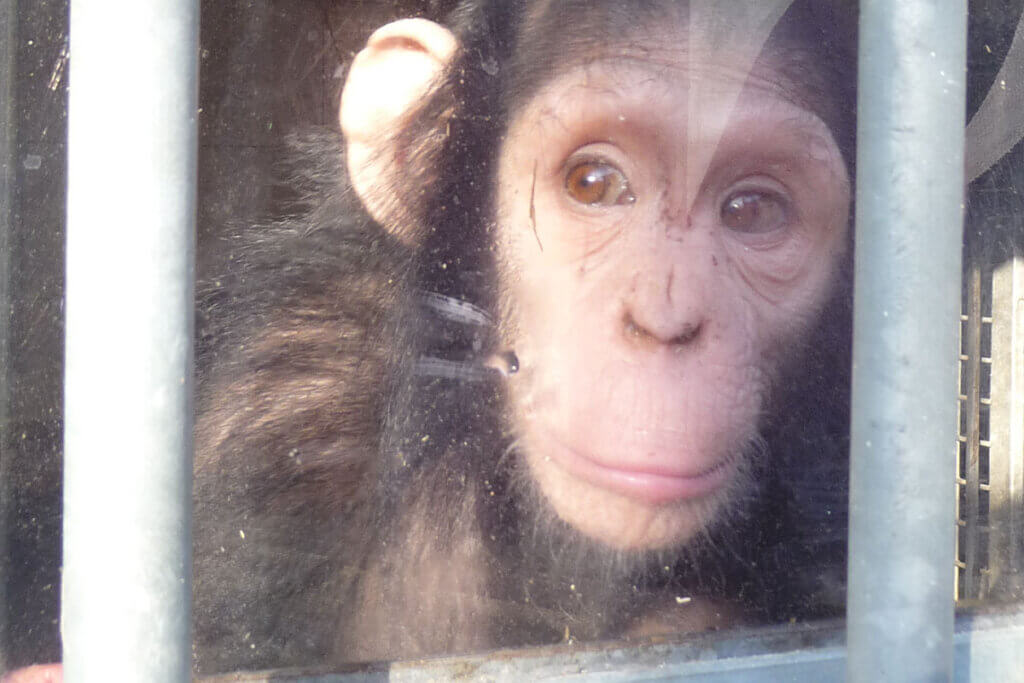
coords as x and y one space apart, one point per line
754 212
597 183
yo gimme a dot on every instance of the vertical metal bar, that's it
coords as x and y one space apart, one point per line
962 456
131 207
1007 426
968 517
910 166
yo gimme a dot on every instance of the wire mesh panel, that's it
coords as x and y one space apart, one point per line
973 448
990 449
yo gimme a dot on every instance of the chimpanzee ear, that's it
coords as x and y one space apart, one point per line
386 80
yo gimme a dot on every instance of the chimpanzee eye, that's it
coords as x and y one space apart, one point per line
754 212
597 183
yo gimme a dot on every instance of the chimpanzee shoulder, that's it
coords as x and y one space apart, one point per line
294 340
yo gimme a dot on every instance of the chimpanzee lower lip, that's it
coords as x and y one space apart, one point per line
648 485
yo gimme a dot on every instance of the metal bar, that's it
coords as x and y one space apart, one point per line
971 406
987 648
959 559
130 244
1007 427
910 165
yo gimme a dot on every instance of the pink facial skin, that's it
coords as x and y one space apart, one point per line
40 673
660 260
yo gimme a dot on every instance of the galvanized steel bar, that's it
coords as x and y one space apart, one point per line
910 170
130 242
968 513
1006 428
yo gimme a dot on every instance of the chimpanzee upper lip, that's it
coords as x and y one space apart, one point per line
654 483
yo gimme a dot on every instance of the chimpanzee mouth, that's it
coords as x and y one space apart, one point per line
653 484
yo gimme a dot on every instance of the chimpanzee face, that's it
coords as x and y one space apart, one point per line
669 227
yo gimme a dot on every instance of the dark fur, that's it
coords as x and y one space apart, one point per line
349 508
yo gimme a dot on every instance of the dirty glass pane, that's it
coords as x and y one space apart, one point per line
546 341
33 103
585 374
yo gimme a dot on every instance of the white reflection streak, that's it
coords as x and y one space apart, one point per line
731 33
998 125
462 371
455 310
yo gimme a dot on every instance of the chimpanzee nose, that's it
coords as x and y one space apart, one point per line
665 307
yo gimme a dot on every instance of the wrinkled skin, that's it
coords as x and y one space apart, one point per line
657 269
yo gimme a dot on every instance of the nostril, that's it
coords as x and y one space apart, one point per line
633 330
687 334
679 336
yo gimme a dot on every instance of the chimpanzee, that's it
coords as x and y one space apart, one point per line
555 349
